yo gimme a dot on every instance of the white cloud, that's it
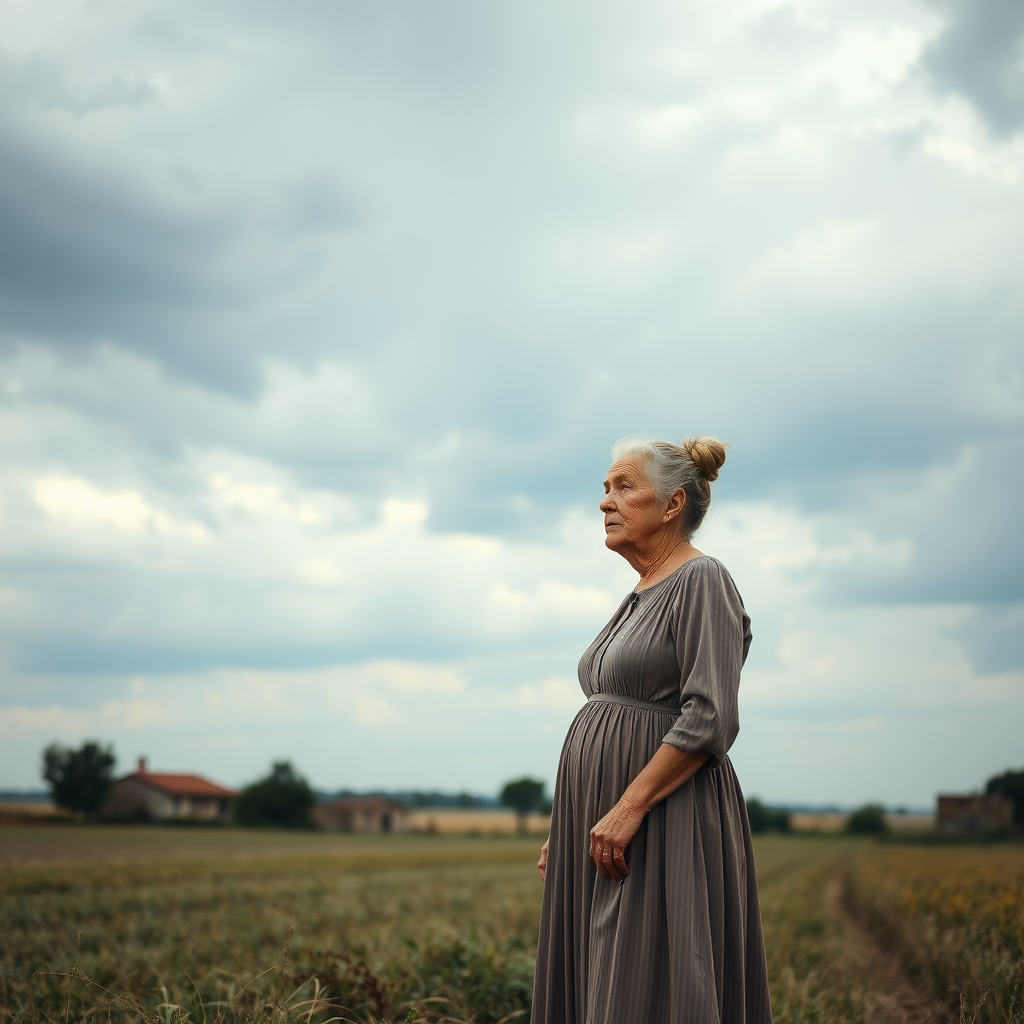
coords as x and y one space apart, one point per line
828 262
867 63
549 693
47 720
973 157
76 500
395 512
131 714
72 501
373 712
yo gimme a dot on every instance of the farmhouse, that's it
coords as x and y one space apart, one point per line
161 796
962 815
363 814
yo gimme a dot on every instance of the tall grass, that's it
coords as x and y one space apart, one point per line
810 975
455 939
445 930
957 917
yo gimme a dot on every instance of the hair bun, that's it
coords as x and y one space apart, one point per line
708 454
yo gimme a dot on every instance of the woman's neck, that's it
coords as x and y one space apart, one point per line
662 560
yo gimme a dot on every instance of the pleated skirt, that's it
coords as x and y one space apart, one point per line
679 941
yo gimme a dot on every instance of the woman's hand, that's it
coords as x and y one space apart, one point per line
610 837
542 864
660 777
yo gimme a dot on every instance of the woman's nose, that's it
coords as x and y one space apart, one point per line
607 505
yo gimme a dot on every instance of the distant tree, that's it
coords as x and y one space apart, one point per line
465 799
867 820
282 800
523 796
1011 784
79 779
767 819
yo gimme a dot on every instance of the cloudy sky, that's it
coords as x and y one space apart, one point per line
317 322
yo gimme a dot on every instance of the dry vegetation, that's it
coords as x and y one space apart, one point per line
957 917
247 927
383 926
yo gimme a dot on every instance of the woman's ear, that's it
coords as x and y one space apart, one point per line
676 504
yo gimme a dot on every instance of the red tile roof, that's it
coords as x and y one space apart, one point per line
182 785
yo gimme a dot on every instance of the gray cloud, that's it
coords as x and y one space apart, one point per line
980 56
342 255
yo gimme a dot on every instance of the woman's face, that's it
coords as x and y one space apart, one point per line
633 515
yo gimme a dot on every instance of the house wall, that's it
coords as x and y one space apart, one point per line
203 808
385 820
445 820
129 795
362 819
961 815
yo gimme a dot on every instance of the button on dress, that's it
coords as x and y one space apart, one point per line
679 941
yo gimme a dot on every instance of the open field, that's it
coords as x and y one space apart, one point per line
181 924
431 819
55 844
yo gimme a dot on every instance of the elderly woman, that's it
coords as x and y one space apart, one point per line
650 901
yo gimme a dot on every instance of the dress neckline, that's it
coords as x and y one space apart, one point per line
674 572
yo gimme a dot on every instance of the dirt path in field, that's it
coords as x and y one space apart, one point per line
896 1000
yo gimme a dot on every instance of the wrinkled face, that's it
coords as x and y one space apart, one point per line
632 512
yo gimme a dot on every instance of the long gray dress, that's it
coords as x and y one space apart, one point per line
679 940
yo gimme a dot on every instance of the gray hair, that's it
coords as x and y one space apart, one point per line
691 466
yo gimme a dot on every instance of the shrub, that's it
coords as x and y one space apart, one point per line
867 820
767 819
283 799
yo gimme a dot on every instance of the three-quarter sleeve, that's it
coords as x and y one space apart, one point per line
711 639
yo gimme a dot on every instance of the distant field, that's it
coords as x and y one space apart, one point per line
63 844
185 924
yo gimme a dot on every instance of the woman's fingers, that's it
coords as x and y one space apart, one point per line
609 839
609 857
619 860
613 863
617 867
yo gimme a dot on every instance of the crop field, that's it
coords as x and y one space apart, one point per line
175 925
956 915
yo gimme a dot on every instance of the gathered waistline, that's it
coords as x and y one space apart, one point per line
632 702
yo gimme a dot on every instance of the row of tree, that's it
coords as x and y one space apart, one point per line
80 780
864 821
870 819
